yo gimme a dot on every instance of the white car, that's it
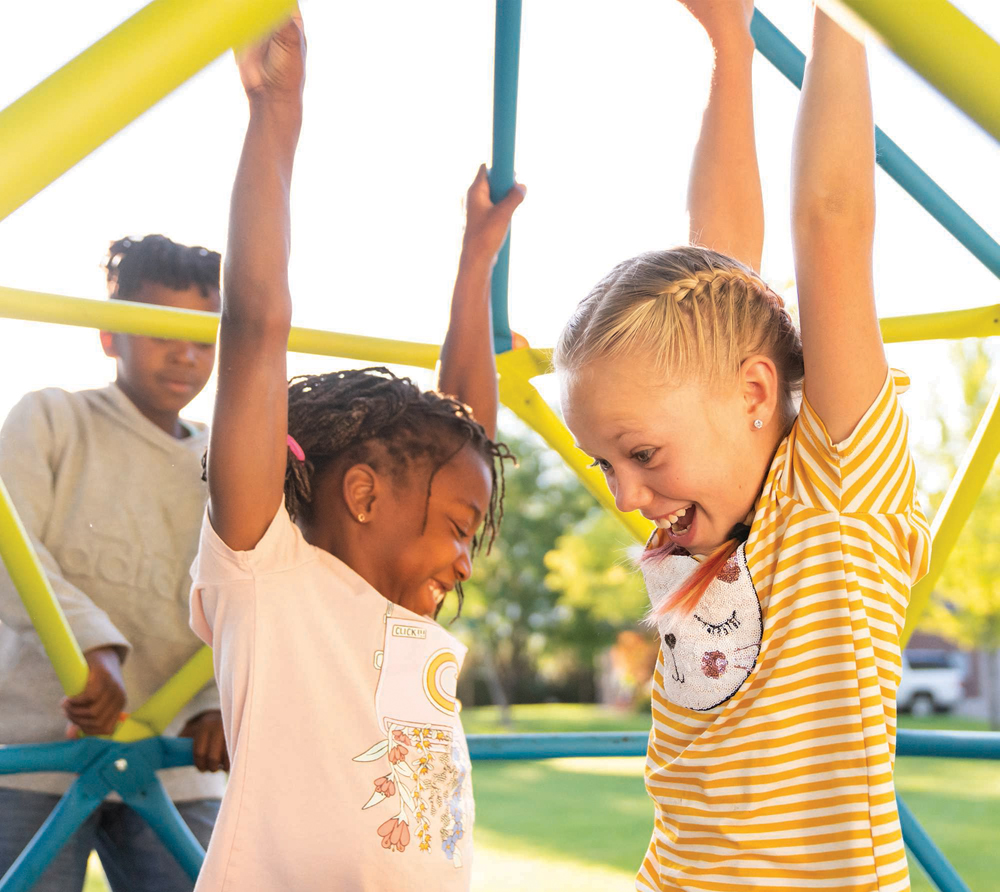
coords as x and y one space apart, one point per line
930 681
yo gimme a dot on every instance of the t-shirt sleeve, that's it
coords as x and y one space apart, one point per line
32 443
219 572
869 473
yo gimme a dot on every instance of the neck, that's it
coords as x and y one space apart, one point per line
169 422
348 550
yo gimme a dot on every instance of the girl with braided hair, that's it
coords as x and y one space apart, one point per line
343 508
777 472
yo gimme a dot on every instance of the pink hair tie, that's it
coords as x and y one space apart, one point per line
296 449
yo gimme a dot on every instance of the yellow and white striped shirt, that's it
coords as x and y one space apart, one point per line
788 784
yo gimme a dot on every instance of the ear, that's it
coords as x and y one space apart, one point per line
108 343
759 386
361 490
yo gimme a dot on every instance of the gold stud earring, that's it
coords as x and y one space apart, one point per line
361 518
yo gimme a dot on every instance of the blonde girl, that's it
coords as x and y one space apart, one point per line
778 475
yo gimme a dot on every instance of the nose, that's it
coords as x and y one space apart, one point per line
630 493
185 352
463 566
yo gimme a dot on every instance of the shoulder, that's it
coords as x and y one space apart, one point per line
281 548
50 407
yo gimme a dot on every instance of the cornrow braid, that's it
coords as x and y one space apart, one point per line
133 262
373 416
711 281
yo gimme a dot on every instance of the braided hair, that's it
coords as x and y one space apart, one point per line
372 416
693 312
133 262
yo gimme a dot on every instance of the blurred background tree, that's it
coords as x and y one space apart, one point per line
553 594
966 602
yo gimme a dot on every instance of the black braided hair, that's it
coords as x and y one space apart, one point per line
372 416
132 262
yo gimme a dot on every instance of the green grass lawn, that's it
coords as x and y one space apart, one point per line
585 823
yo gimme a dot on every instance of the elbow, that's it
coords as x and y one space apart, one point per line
833 209
266 316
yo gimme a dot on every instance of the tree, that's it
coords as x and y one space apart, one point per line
556 589
509 609
966 605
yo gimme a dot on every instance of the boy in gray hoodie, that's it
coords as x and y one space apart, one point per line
108 484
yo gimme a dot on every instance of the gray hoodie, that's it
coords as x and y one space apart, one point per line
114 505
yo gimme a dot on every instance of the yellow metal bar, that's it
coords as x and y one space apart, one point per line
130 317
944 47
87 101
193 325
45 611
526 402
958 504
981 322
160 709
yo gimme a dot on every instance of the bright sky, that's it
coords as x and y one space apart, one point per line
397 120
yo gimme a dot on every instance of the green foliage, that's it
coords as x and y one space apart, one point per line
591 567
555 590
967 603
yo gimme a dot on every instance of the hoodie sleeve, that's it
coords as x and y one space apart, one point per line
30 454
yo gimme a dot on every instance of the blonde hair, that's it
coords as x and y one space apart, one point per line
694 313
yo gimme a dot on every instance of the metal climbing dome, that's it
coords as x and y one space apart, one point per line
167 42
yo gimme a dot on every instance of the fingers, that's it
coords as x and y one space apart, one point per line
208 743
513 198
98 716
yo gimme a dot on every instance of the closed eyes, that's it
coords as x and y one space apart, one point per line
721 629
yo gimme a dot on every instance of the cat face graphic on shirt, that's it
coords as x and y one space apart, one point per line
708 653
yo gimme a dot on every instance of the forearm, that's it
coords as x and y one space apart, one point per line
833 229
256 272
833 162
468 365
247 453
725 204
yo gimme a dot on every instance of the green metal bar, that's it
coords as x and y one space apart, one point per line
944 47
87 101
954 511
129 317
39 600
161 708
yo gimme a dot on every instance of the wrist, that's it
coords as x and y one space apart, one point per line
733 43
282 110
474 263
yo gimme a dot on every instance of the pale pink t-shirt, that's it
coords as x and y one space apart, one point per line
350 769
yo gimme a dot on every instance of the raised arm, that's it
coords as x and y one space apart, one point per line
833 227
468 367
725 207
247 452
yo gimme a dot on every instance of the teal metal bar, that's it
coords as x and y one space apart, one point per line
103 765
557 746
948 744
939 871
939 744
505 67
790 61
